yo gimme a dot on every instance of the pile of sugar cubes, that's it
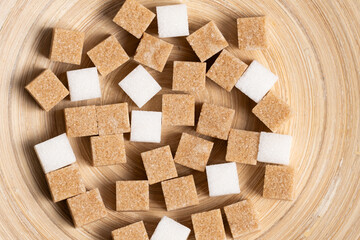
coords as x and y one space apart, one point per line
106 124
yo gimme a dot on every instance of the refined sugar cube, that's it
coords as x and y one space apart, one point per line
140 86
135 231
55 153
83 84
256 81
108 150
145 126
279 182
222 179
242 146
208 225
134 17
252 33
178 110
274 148
189 76
81 121
172 21
132 195
113 119
170 229
47 90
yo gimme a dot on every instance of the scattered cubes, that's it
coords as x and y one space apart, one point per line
113 119
207 41
274 148
189 76
145 126
67 46
132 195
215 121
153 52
279 182
107 150
178 110
252 33
47 90
108 55
222 179
140 86
172 21
242 146
131 232
208 225
256 81
55 153
193 152
168 228
83 84
81 121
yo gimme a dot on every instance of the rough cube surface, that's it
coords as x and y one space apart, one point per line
189 76
178 110
145 126
242 146
172 21
170 229
252 33
135 231
274 148
83 84
81 121
222 179
108 150
279 182
132 195
208 225
47 90
113 119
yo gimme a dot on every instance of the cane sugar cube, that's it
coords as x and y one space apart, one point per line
274 148
242 146
67 46
242 218
178 110
81 121
113 119
208 225
55 153
132 195
47 90
272 111
86 207
172 21
145 126
222 179
189 76
193 152
252 33
207 41
140 86
83 84
135 231
65 182
134 17
215 121
169 229
279 182
256 81
108 55
108 150
153 52
226 70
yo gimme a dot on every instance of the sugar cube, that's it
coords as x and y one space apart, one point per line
208 225
178 110
113 119
252 33
222 179
172 21
189 76
145 126
81 121
135 231
242 146
108 150
274 148
83 84
169 229
279 182
132 195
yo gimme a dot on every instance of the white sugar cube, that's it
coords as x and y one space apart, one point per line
172 21
169 229
274 148
222 179
145 126
83 84
140 86
256 81
55 153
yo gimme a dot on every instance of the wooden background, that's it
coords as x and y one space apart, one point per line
315 50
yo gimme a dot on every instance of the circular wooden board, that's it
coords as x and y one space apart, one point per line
315 50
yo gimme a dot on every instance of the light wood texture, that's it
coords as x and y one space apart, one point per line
315 51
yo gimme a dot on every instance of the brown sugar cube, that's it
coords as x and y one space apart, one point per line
279 182
134 18
159 164
108 150
153 52
47 90
81 121
242 218
86 207
272 111
108 55
113 119
189 76
226 70
65 182
180 192
132 195
242 146
67 46
178 110
208 225
207 41
252 33
135 231
193 152
215 121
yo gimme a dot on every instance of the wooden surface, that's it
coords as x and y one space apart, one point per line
314 50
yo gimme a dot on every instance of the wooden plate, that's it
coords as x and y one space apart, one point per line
314 50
